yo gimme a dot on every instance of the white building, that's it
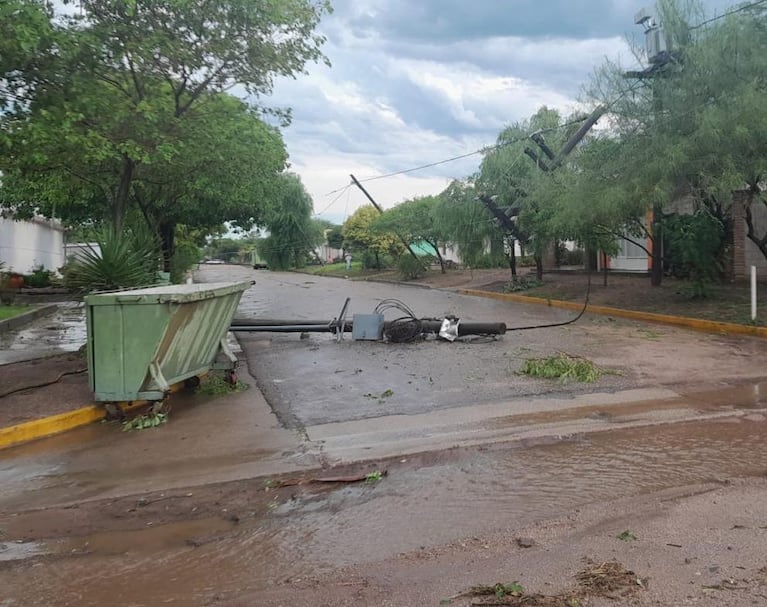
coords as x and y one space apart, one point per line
29 244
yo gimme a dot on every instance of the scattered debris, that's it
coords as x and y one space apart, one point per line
728 584
368 477
380 397
374 477
606 580
562 366
144 421
498 590
216 385
627 536
611 580
143 501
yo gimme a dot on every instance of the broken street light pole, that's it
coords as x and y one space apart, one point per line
427 325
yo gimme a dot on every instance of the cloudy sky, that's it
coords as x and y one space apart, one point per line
416 81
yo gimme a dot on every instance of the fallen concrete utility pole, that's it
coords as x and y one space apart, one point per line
331 325
426 325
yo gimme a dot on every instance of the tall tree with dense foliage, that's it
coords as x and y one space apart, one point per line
415 221
691 125
25 41
511 175
293 235
360 237
466 224
127 84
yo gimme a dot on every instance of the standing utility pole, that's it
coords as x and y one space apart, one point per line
659 56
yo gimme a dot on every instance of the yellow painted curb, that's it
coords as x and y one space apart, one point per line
710 326
10 436
47 426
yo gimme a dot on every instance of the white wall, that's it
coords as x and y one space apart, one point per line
25 245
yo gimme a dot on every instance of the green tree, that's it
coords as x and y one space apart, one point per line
512 174
466 224
227 248
25 40
228 166
335 237
293 235
416 221
690 126
124 79
359 235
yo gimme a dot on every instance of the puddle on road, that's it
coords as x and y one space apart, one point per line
482 490
64 331
427 500
16 551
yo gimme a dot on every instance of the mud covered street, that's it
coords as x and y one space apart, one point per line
466 474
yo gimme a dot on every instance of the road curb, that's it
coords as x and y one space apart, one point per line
709 326
9 324
12 436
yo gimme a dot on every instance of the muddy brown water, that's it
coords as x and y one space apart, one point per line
426 500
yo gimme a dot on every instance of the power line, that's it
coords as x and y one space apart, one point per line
482 150
332 202
739 9
479 151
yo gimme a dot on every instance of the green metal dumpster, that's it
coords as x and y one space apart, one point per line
142 341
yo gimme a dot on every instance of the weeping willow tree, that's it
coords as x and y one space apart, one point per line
465 223
293 234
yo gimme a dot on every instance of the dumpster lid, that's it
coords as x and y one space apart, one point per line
167 293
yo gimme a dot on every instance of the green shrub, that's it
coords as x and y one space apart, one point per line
572 258
122 260
371 261
489 261
410 268
39 278
696 243
522 283
185 257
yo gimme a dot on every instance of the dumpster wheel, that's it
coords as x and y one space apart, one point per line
192 382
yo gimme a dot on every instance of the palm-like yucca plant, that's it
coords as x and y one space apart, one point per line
121 260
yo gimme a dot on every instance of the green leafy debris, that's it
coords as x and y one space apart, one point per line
374 477
562 366
215 385
145 421
626 536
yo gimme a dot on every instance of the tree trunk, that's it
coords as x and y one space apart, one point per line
439 255
167 231
656 271
751 234
538 266
120 203
513 260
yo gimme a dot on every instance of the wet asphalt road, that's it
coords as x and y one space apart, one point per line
317 380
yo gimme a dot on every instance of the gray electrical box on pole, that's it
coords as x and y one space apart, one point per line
656 45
